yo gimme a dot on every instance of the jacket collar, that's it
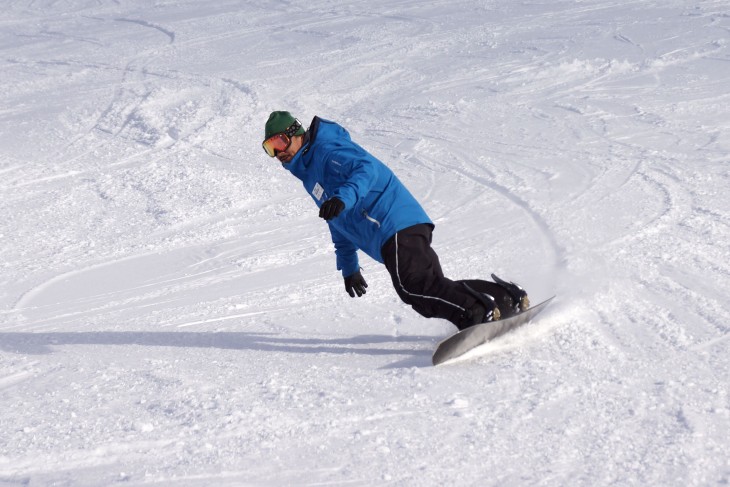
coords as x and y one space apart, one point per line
300 162
311 135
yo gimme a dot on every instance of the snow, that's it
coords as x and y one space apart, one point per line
170 311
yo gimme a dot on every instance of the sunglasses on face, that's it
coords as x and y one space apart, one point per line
281 142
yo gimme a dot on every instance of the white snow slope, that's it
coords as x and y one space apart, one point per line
170 310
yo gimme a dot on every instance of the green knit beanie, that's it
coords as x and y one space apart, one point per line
278 123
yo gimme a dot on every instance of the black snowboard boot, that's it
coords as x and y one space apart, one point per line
484 310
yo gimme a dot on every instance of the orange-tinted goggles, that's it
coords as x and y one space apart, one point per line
276 143
281 142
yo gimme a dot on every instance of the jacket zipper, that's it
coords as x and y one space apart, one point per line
370 219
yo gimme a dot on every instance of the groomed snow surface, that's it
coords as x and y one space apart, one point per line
170 311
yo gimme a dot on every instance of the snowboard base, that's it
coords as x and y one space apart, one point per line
465 340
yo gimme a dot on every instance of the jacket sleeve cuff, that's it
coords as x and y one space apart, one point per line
348 266
346 196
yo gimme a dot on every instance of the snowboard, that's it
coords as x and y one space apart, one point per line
465 340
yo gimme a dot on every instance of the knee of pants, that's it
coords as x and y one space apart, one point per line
434 296
419 283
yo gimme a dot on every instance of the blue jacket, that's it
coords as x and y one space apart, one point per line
377 204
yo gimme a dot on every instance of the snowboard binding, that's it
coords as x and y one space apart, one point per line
519 296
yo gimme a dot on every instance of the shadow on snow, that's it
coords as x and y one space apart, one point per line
43 343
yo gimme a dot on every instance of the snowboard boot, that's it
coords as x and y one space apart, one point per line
519 296
484 310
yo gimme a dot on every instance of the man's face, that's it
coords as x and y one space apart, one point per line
286 156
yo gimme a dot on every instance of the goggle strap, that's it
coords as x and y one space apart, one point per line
293 128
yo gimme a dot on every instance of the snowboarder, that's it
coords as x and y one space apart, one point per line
368 208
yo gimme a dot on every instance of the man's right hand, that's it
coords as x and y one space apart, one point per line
331 208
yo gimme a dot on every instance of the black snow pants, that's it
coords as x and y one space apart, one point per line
419 281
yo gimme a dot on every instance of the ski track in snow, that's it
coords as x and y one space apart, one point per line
170 312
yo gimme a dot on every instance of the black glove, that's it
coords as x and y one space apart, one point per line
355 284
331 208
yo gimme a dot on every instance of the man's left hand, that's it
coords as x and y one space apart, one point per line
355 284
